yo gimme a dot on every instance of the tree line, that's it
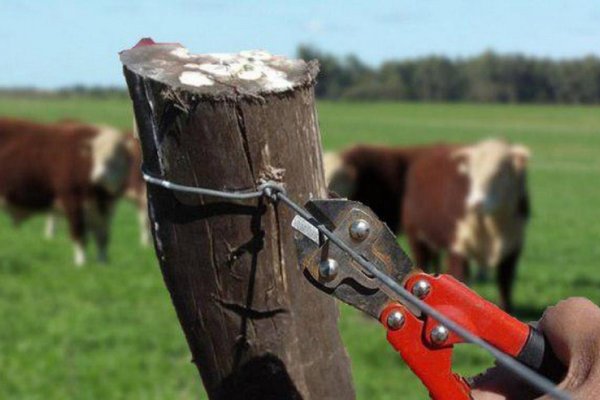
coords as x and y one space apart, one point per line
99 92
489 77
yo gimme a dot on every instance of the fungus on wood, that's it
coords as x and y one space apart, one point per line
256 328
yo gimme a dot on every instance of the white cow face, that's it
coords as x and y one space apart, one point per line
110 159
339 177
494 168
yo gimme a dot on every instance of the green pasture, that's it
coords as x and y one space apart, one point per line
110 332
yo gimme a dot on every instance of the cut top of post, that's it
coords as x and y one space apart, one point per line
252 72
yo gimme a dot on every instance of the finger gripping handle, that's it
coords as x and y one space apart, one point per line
537 354
484 319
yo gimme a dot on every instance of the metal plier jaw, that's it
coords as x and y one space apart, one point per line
333 271
424 344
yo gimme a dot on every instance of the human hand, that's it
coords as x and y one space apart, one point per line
572 328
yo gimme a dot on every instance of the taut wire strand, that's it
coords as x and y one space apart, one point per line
276 192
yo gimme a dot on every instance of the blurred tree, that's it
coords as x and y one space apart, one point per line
489 77
437 78
335 75
577 81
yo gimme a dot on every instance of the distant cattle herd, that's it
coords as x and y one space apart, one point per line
467 202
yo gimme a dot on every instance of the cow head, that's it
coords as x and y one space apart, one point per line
110 159
495 170
340 177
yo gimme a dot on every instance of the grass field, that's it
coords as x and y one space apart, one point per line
111 333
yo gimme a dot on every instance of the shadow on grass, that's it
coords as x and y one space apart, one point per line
582 282
12 266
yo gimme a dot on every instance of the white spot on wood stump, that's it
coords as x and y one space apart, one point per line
259 55
192 66
181 52
193 78
224 57
221 69
250 73
276 79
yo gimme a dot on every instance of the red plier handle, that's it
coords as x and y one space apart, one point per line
426 345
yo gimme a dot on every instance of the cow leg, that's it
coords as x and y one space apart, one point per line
458 266
144 223
144 228
506 278
435 262
17 214
98 217
76 221
79 253
50 230
422 255
482 273
101 236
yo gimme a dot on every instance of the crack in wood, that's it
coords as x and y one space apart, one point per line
279 245
255 244
248 312
242 128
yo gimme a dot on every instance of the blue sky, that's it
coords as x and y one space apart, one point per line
53 43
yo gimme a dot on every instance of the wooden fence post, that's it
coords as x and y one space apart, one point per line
255 327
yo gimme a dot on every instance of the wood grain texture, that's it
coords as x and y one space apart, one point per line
256 328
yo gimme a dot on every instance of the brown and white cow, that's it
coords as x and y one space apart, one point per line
136 188
469 202
75 168
373 175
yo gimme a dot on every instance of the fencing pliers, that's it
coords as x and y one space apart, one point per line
424 343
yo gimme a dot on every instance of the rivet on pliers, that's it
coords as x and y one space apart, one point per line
395 320
421 288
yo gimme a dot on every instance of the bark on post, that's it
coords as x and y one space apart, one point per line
256 328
